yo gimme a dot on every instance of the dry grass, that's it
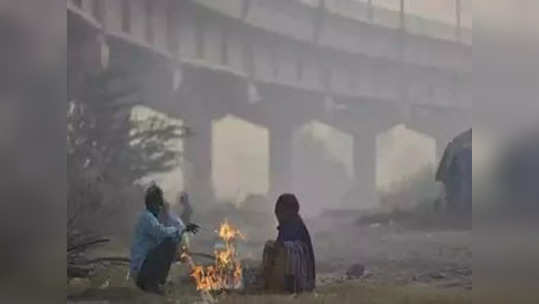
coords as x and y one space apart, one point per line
347 293
351 292
357 293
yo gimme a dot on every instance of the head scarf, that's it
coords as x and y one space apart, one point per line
154 199
287 207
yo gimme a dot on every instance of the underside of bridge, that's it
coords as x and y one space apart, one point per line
201 94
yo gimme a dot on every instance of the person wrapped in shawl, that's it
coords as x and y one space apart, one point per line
290 259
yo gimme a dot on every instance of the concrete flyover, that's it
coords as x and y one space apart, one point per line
279 64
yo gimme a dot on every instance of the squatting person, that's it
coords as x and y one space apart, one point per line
154 245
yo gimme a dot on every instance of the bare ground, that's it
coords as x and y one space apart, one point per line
402 266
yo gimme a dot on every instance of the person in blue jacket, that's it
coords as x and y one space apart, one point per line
154 245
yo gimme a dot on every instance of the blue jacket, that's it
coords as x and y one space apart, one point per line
149 233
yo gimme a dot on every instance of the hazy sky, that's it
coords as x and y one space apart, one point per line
401 153
240 158
338 144
240 152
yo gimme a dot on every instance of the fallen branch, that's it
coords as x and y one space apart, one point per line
77 271
104 260
128 260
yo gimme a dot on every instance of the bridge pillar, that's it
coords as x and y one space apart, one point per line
196 108
365 167
88 54
198 153
280 159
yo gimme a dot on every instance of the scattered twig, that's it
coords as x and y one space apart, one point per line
85 245
105 259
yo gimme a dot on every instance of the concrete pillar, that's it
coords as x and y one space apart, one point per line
198 153
88 54
280 159
195 107
365 167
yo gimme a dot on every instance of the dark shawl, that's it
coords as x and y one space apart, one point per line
295 230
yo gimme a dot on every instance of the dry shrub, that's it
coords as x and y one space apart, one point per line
419 191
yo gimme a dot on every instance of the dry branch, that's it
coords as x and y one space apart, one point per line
87 244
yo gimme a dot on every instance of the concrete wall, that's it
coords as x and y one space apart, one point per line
282 16
365 59
113 16
186 32
139 20
235 46
311 69
386 18
263 59
231 8
87 5
351 9
213 41
287 64
159 22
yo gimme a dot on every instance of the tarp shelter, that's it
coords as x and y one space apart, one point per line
455 172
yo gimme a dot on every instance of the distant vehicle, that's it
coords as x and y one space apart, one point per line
455 172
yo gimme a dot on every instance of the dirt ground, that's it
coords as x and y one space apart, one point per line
401 266
395 255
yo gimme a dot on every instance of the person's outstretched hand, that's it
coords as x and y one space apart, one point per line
192 228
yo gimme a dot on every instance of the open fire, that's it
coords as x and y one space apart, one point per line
226 272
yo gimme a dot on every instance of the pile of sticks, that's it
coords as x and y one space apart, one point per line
79 265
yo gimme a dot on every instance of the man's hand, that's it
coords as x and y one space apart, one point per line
192 228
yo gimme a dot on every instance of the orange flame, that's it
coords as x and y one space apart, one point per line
226 273
229 233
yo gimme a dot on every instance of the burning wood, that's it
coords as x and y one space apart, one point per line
226 272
